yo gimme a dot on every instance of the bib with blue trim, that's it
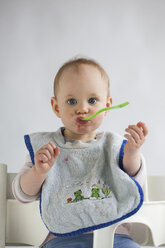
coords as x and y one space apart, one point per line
86 189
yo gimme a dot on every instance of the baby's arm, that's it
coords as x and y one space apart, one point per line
32 180
136 137
16 188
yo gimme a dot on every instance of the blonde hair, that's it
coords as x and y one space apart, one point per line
76 62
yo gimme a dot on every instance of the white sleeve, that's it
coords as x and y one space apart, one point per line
141 176
16 187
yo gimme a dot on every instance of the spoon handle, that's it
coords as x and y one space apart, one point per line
104 109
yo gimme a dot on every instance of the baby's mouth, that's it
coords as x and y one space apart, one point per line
80 121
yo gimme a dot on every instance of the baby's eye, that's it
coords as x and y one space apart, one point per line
92 100
72 101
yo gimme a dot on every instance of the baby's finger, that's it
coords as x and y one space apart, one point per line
42 158
135 134
137 129
48 150
50 147
143 126
54 149
130 139
45 151
56 152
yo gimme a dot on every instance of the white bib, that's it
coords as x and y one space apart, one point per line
86 189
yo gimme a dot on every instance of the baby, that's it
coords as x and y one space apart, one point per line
78 166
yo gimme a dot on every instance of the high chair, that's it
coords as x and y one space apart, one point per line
148 224
21 224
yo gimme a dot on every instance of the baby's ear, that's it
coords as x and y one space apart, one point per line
55 108
109 101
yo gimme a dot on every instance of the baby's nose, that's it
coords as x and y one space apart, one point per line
82 109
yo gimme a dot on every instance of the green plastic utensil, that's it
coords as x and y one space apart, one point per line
104 109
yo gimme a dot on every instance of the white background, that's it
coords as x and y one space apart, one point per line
127 37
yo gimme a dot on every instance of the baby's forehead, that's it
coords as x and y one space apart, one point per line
80 68
79 71
76 72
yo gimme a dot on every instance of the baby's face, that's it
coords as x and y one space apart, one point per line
80 94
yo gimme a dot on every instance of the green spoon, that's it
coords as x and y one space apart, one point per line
104 109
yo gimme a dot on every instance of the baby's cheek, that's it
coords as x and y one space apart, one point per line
68 118
99 118
68 115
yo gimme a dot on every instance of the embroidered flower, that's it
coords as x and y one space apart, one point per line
66 159
69 200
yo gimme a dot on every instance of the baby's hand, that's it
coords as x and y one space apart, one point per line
45 157
136 136
132 158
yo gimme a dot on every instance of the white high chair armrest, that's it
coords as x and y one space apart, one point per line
3 192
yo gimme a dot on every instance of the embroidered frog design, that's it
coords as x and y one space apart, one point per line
105 189
78 196
95 193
